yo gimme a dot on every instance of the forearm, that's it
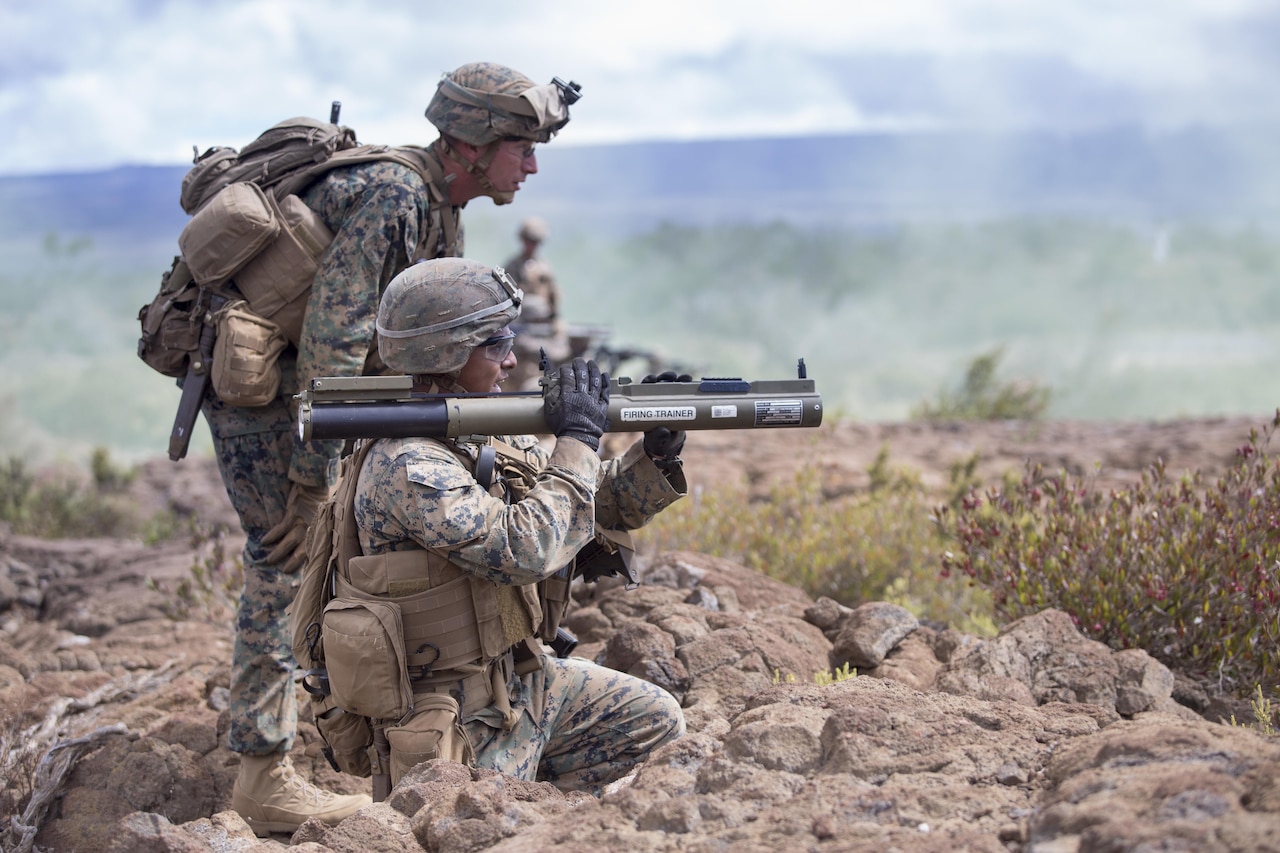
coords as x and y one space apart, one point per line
633 490
525 541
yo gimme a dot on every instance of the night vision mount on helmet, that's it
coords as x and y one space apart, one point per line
483 102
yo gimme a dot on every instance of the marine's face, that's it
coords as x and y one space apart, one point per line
514 161
489 364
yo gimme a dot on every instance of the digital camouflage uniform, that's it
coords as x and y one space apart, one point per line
377 213
580 725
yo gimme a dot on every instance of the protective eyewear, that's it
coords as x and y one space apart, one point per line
499 346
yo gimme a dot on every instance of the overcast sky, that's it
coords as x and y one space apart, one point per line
88 84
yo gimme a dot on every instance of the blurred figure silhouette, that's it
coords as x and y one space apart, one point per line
540 327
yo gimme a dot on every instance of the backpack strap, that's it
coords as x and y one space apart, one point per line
443 218
346 536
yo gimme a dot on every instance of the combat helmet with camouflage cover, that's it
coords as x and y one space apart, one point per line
483 102
436 312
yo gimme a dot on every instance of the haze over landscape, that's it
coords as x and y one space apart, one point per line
888 195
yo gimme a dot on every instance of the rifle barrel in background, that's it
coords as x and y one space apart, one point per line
385 407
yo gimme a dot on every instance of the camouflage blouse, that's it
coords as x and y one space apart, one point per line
417 493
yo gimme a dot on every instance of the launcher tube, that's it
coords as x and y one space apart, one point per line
385 407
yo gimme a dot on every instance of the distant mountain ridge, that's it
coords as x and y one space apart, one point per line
867 179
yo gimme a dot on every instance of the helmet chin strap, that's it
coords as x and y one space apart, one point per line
479 169
442 383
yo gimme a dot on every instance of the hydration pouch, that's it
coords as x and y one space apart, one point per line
365 656
226 233
246 356
277 281
434 731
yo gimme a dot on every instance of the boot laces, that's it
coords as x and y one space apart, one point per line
309 793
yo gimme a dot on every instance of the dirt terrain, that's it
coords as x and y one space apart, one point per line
952 742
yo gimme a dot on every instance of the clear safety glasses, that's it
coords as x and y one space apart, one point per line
499 346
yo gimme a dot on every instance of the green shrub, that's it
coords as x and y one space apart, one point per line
211 589
878 546
1188 572
982 398
63 503
1264 714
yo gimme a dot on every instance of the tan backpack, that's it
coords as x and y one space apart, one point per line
252 238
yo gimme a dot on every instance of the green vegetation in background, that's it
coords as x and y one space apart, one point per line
1186 570
877 546
62 502
1122 322
982 398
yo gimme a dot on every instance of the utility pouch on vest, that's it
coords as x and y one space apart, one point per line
277 281
234 226
609 555
171 322
246 369
364 653
434 731
347 737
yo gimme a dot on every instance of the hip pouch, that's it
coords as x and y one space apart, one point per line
246 356
364 653
434 731
347 737
172 322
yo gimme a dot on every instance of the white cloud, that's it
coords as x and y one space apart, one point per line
92 83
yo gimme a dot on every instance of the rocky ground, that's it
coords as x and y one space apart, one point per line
1035 740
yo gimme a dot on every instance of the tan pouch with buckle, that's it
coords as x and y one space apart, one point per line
233 227
246 355
364 653
347 736
277 281
434 731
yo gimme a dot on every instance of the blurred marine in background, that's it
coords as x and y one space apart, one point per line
384 217
540 327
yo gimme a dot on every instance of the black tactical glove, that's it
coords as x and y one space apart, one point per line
575 402
662 444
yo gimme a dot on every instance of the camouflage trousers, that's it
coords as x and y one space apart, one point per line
580 726
253 447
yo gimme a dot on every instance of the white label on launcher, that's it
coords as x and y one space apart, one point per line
659 413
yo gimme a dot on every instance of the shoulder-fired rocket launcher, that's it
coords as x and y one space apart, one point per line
387 407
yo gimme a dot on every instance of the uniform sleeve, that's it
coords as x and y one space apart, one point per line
418 491
631 490
376 213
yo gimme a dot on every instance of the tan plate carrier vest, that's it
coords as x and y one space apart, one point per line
462 635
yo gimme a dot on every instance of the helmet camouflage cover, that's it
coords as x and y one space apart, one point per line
436 312
483 102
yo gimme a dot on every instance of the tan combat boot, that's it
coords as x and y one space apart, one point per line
272 797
